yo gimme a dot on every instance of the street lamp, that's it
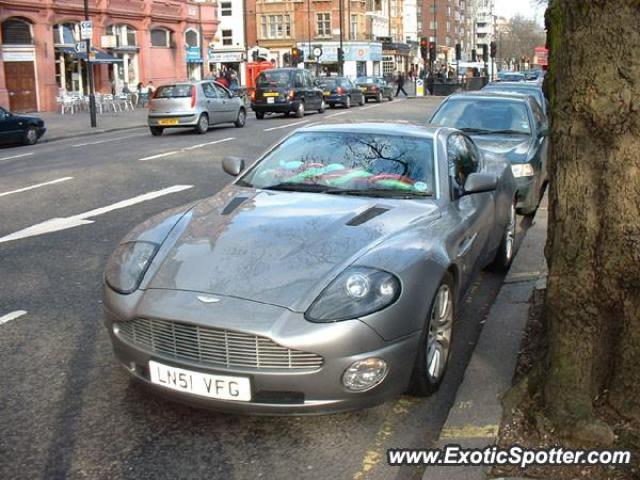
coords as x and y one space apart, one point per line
92 94
340 50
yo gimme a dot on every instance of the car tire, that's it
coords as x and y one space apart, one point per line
379 98
361 102
259 115
30 136
434 349
391 98
332 105
506 250
300 110
156 131
203 124
242 118
323 106
347 102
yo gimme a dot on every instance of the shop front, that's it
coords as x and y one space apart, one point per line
360 58
228 60
71 69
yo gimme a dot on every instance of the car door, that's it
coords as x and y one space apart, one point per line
314 94
542 143
5 127
229 107
213 102
474 211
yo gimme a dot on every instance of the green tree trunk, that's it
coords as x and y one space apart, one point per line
593 245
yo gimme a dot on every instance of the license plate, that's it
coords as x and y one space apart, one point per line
270 94
168 121
326 94
271 100
221 387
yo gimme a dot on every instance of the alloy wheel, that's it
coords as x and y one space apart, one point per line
31 136
510 233
439 334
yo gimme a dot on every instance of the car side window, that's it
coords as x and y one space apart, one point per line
299 80
221 91
461 163
308 79
209 90
538 115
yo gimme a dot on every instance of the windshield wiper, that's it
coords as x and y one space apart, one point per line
476 130
297 187
377 192
510 132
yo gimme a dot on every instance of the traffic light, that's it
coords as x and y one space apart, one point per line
340 55
432 51
458 51
255 55
494 49
424 48
297 56
485 53
474 55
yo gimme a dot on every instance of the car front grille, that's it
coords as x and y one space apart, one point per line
214 346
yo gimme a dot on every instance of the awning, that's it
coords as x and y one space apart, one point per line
100 56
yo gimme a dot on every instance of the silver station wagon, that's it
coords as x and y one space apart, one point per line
196 105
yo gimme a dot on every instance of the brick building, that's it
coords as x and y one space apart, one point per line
448 22
135 41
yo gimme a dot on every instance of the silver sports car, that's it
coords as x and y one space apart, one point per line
325 278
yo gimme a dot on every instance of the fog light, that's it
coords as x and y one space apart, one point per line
364 374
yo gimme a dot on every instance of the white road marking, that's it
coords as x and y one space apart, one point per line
285 126
161 155
57 224
372 106
17 156
336 114
108 140
12 316
44 184
193 147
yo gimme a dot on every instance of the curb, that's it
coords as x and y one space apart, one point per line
475 417
97 131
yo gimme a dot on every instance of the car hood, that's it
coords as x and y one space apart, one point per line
29 119
514 148
279 248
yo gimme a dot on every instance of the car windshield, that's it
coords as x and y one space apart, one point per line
273 78
534 92
349 163
367 80
511 77
484 115
328 83
173 91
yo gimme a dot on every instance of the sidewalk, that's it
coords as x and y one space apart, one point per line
475 417
78 125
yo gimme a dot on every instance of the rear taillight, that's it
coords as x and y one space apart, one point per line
193 96
253 95
292 93
340 90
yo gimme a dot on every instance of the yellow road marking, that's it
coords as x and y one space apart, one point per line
470 431
374 455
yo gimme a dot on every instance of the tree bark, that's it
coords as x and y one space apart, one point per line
593 246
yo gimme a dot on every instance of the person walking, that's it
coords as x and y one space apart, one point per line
400 85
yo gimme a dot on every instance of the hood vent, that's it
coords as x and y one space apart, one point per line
367 215
233 204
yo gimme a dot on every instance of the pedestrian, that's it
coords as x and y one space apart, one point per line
150 88
400 85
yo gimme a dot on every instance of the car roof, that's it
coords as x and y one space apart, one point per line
285 69
514 85
383 128
483 94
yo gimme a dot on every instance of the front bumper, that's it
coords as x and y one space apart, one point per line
527 194
274 391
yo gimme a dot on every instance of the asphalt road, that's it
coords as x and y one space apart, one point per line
67 410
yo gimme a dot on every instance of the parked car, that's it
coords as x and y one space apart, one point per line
535 90
510 125
286 90
15 129
197 105
325 278
508 76
341 91
375 88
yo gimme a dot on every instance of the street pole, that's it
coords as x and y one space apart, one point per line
341 59
309 35
92 94
435 37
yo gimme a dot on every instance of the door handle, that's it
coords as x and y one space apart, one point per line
466 245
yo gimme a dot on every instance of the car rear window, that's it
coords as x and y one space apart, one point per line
173 91
273 79
328 83
367 80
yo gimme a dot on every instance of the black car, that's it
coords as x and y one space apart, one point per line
341 91
23 129
375 88
286 90
511 126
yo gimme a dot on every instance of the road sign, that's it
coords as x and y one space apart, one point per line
317 52
81 47
419 88
86 30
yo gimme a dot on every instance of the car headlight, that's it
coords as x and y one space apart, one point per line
128 264
356 292
522 170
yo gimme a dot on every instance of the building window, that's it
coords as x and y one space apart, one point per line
125 35
225 9
448 26
324 24
433 25
388 65
354 27
66 34
276 26
447 41
227 37
160 38
191 38
16 31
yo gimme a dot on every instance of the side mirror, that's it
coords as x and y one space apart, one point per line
544 131
233 165
480 182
